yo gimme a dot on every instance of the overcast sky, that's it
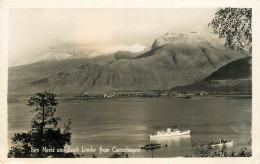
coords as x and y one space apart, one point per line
32 31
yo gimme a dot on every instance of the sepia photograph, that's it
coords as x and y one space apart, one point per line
130 83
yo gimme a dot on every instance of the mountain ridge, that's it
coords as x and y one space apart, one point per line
61 52
165 67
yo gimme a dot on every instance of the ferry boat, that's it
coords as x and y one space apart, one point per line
151 146
221 142
169 132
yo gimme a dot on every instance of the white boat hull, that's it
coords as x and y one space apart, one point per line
170 134
223 144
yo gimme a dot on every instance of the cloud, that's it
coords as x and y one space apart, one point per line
33 31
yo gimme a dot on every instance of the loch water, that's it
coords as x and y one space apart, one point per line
127 123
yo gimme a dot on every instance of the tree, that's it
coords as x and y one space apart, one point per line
45 133
234 24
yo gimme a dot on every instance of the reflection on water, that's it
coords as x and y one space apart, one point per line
173 141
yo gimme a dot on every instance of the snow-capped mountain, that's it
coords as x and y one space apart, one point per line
197 38
59 54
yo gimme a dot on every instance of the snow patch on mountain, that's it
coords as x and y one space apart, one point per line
54 57
48 57
59 54
195 38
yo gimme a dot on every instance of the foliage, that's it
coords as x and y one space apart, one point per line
119 155
245 153
44 133
208 151
234 24
202 150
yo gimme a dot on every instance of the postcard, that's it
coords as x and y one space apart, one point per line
157 82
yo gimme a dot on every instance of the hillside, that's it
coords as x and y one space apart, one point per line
125 55
239 69
233 77
40 76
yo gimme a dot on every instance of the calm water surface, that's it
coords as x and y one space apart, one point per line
127 123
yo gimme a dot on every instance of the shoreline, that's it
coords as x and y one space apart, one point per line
66 97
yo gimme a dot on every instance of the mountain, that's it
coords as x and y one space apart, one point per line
235 76
195 38
163 67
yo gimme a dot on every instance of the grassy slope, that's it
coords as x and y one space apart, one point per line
233 77
239 69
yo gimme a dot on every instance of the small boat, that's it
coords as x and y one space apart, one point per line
185 97
221 142
151 146
169 133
